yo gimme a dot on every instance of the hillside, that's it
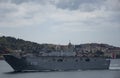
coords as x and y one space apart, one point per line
11 44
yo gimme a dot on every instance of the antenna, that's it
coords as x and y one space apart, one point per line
69 41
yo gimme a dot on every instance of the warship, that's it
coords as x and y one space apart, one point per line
56 61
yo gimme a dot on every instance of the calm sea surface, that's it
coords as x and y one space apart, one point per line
7 72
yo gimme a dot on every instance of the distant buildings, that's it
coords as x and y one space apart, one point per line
13 45
85 50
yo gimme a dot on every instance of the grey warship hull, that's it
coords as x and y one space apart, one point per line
56 63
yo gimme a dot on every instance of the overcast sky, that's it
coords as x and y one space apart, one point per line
58 21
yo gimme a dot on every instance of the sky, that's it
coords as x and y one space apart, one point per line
61 21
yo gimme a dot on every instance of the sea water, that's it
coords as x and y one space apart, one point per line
7 72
